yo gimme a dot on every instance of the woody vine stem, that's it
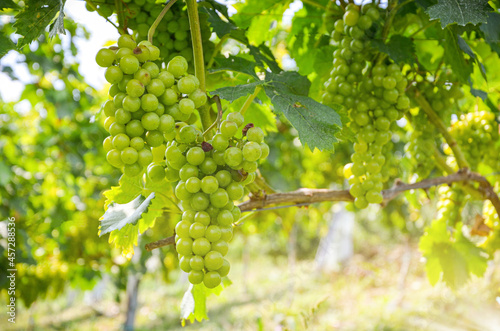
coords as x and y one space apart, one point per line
306 196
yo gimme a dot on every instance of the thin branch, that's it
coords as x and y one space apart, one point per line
216 123
217 49
249 100
93 5
438 123
157 21
306 196
160 243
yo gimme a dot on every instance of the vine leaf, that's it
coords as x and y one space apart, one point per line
454 56
194 304
452 259
35 17
235 63
232 93
316 123
7 4
491 31
466 48
459 11
58 25
6 44
118 215
128 189
400 49
288 91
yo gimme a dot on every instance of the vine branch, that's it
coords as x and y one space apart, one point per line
307 196
157 21
438 123
199 61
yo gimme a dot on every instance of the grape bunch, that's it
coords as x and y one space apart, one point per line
210 176
449 204
374 97
441 94
420 147
477 135
491 220
149 106
172 35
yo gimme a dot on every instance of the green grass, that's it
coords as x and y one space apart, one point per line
370 293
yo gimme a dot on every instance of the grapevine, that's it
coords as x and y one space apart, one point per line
374 96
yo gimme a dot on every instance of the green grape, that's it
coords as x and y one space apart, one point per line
105 57
185 246
212 279
197 230
132 170
209 184
197 262
196 276
236 118
195 156
201 246
113 75
213 260
251 151
255 134
225 218
220 246
182 229
233 156
213 233
200 201
224 269
202 217
129 64
145 157
219 198
156 172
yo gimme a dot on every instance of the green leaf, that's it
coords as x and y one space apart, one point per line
454 56
400 49
476 263
128 189
232 93
477 93
491 31
316 123
35 17
58 25
119 215
125 239
247 11
452 258
235 63
459 11
220 27
289 82
6 174
263 55
466 48
7 4
193 305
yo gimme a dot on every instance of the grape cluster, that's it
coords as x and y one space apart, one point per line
149 105
449 204
440 94
210 176
491 219
477 135
172 35
420 147
374 97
